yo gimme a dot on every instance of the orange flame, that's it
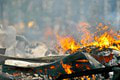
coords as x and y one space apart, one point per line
67 43
107 39
52 67
104 40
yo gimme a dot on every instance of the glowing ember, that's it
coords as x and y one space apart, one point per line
93 77
67 68
83 61
52 67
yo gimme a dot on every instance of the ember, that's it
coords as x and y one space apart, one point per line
66 68
82 60
52 67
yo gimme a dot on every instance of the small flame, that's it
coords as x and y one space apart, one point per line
30 24
52 67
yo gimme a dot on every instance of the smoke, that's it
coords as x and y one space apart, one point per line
41 20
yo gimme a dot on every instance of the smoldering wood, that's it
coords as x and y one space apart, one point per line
104 70
69 59
90 72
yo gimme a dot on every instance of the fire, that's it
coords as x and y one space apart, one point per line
106 39
52 67
86 36
67 68
103 38
68 43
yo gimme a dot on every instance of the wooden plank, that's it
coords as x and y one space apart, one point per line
45 59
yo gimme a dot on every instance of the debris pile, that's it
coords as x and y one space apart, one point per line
84 59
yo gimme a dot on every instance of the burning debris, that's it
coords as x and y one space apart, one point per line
84 59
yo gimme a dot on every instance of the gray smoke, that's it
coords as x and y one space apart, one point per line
62 16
